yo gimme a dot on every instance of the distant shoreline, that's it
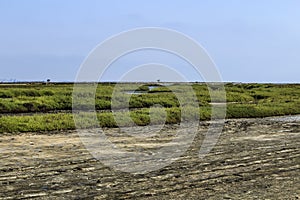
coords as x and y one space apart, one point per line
163 82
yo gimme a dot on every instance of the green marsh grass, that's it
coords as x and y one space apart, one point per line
49 107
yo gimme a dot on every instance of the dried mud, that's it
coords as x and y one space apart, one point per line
253 159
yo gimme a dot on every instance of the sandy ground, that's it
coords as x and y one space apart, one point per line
253 159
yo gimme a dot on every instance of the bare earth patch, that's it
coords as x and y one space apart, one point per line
253 159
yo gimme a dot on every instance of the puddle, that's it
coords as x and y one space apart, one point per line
293 118
135 92
151 87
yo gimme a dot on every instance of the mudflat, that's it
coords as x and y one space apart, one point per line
255 158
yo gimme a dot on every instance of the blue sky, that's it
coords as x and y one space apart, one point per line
250 41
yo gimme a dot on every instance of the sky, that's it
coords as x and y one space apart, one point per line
249 41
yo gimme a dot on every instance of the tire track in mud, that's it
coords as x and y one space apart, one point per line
261 161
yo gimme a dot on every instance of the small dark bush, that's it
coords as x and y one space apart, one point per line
29 106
